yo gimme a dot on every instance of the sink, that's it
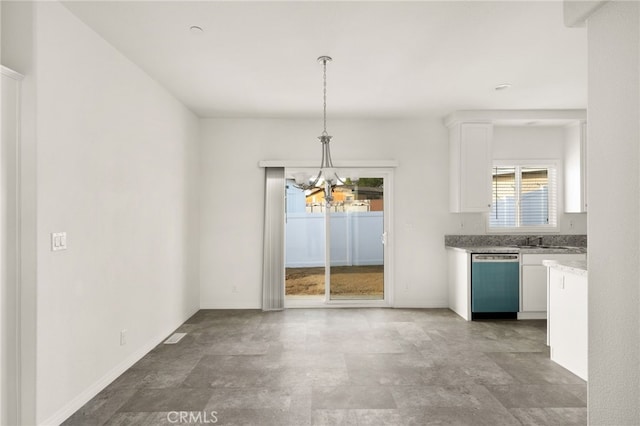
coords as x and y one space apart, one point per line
545 247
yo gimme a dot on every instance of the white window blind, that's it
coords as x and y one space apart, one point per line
524 197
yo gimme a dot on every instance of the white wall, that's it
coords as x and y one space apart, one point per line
614 214
231 239
528 142
117 170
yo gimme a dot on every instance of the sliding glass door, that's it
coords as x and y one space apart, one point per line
336 253
304 245
357 241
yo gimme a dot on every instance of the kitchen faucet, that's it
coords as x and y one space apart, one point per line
530 241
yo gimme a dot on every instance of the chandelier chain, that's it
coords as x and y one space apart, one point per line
324 96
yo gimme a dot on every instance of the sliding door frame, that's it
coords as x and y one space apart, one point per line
387 173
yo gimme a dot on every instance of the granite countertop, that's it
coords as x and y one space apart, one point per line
517 243
549 244
578 267
521 250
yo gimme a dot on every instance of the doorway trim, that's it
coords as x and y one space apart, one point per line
11 187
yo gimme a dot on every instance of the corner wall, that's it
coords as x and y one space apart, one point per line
614 214
116 167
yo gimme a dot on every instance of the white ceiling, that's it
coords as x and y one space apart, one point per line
391 59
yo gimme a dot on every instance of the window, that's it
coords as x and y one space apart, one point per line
524 196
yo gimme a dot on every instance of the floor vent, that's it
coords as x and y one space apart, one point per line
175 338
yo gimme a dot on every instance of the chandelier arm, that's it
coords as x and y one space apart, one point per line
302 187
315 181
324 156
327 148
325 159
330 163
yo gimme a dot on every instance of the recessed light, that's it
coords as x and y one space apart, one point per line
503 86
196 30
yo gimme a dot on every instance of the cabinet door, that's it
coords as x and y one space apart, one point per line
583 163
568 328
470 159
459 283
534 288
575 169
475 167
557 299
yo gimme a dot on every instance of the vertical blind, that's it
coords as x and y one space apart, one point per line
523 196
273 254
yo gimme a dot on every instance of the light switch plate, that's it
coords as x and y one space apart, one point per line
58 241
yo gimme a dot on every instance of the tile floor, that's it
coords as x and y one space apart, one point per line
344 366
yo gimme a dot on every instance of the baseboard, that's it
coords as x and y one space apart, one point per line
85 396
464 315
432 304
232 306
478 316
532 315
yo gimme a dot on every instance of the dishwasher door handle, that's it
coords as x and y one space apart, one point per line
495 258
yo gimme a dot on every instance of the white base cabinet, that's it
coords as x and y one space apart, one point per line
533 283
534 288
567 330
460 283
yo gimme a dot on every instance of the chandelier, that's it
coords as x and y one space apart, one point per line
327 171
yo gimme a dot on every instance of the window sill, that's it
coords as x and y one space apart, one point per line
525 230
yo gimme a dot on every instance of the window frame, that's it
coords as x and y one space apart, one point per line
553 164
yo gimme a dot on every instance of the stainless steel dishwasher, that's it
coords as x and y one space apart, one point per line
495 285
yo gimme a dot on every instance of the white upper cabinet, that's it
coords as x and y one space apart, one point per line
470 167
575 168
